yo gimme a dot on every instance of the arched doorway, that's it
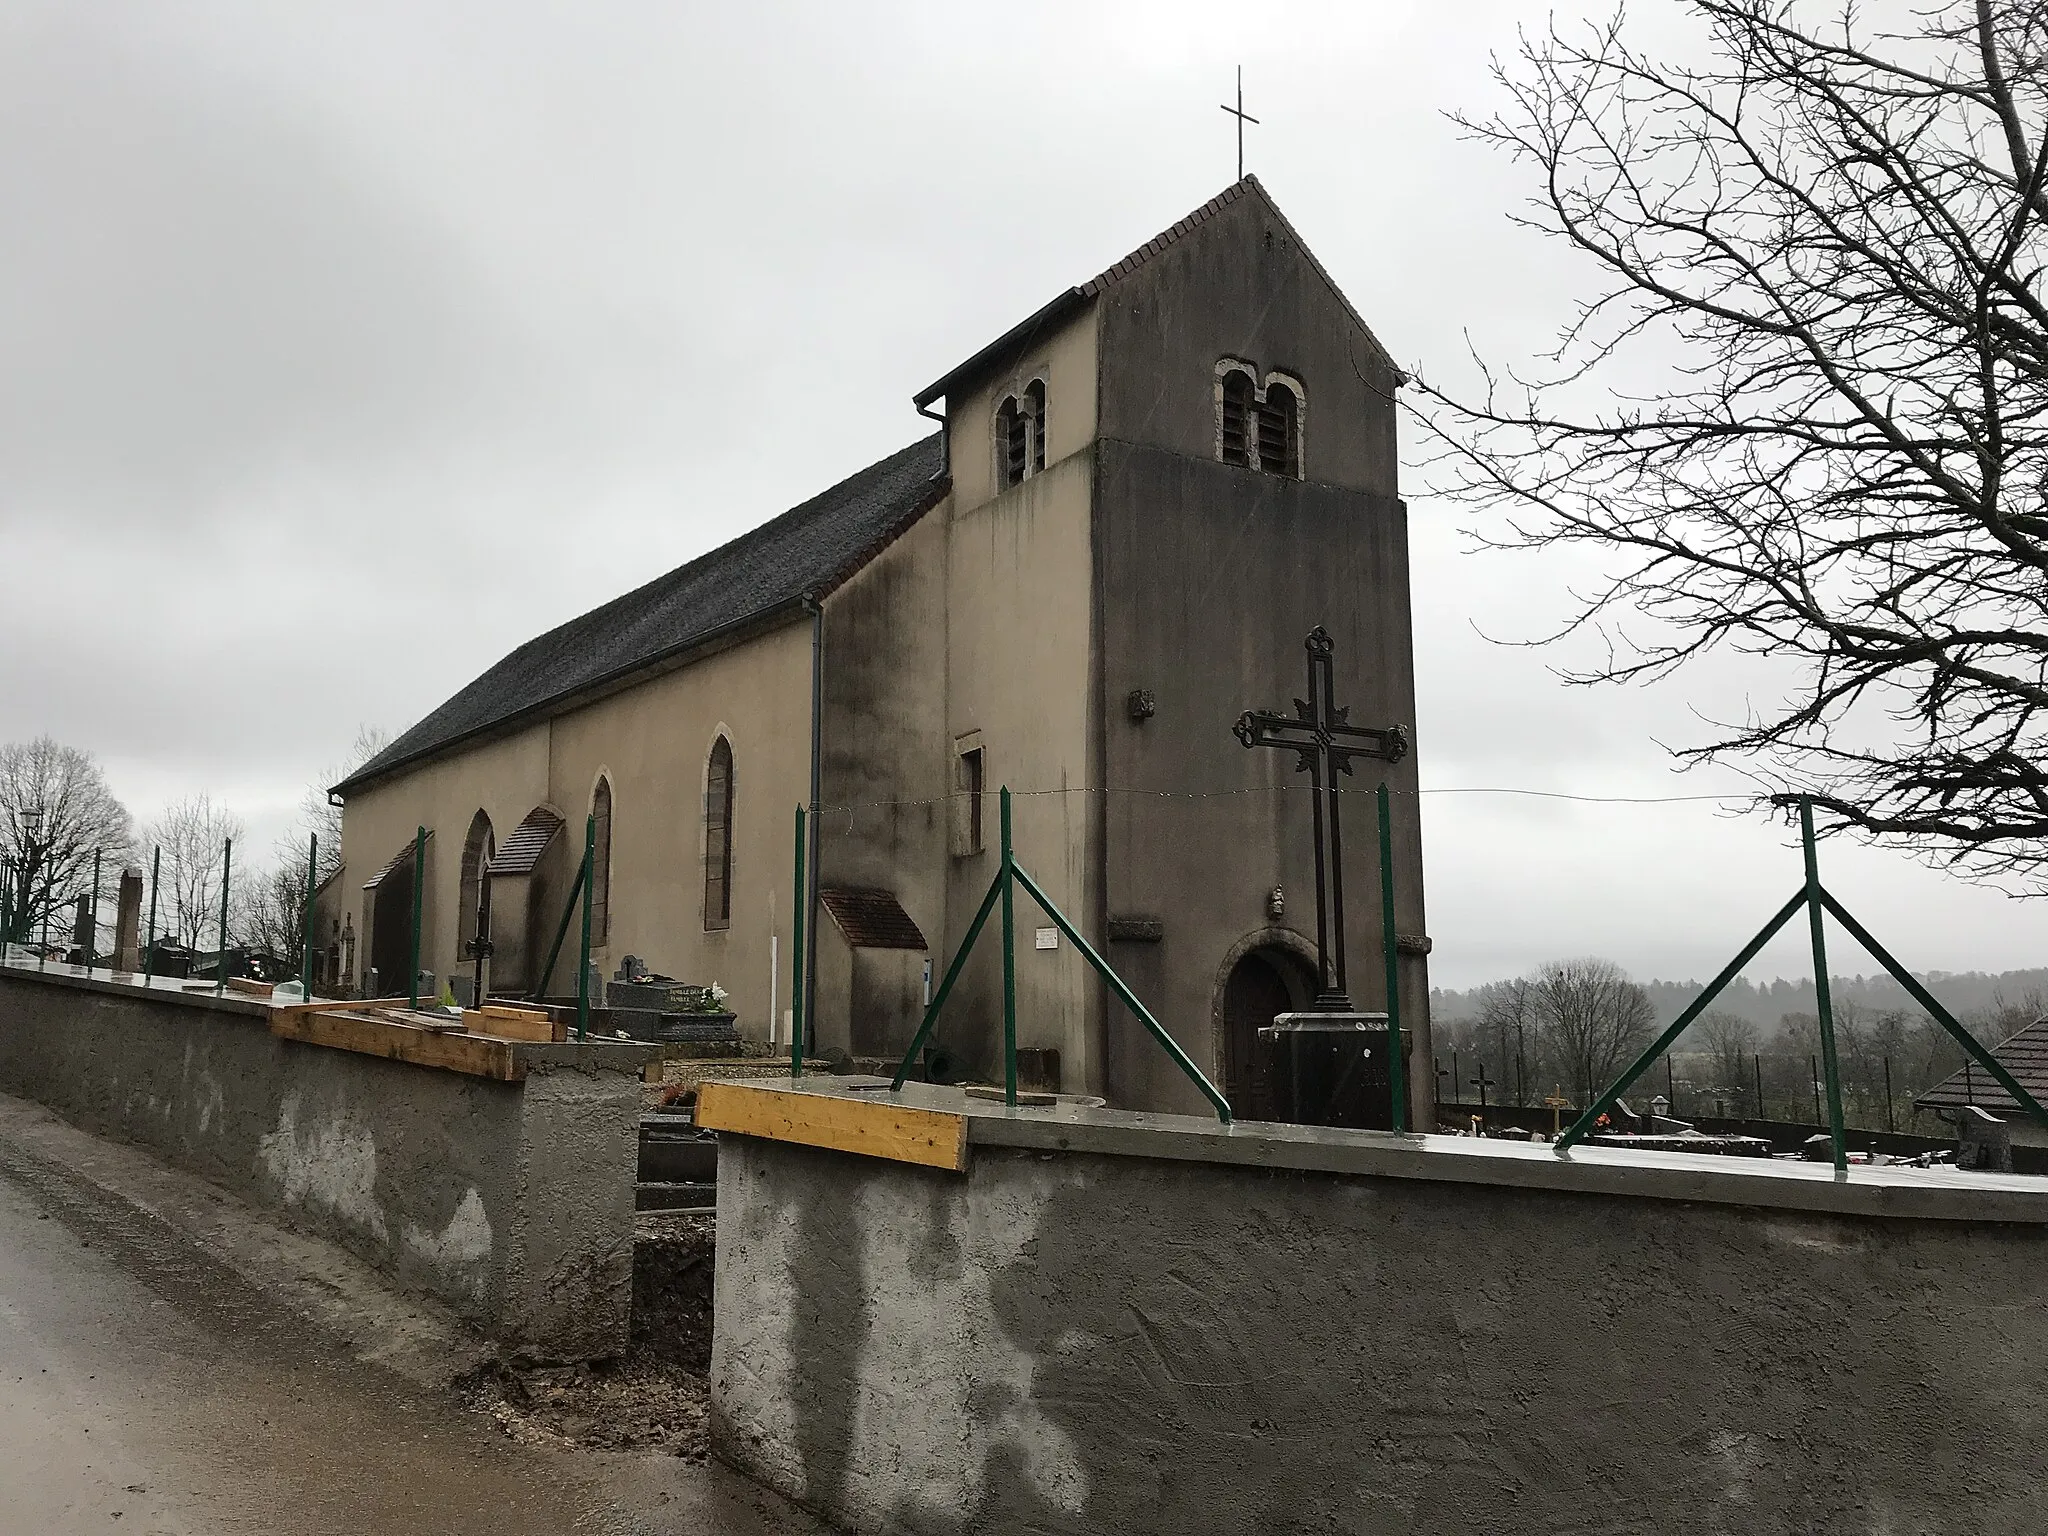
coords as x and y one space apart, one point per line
1264 982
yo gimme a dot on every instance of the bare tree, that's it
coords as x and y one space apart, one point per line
272 917
1822 247
1731 1041
1508 1019
1594 1019
56 810
192 835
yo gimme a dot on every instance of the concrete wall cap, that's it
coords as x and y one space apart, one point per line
1920 1194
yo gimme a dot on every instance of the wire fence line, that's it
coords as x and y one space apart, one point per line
1245 791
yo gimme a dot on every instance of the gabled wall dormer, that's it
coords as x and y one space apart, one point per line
1021 405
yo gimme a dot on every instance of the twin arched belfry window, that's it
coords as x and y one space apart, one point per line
1259 428
1020 435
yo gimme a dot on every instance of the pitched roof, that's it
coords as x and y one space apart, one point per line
2025 1056
518 854
1074 298
403 855
806 552
871 918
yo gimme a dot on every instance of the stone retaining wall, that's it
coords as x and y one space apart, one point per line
510 1202
1148 1324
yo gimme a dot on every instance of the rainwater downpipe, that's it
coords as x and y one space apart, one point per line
945 435
809 896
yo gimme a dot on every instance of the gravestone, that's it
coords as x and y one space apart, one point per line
1982 1140
128 922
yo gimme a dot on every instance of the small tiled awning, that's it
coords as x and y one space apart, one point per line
2025 1056
518 854
400 857
871 918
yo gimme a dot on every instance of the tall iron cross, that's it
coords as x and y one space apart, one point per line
1242 117
1326 741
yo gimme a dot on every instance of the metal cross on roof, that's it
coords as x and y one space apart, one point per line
1321 732
1242 117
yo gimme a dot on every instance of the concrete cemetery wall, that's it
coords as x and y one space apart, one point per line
1067 1338
510 1202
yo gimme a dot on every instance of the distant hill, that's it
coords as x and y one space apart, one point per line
1963 993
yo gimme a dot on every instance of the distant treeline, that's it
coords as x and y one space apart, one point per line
1753 1053
1970 995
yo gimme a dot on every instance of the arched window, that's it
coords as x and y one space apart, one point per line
1034 405
1280 432
478 849
718 837
1011 447
601 865
1238 405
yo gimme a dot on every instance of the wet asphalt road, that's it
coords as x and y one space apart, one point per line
146 1387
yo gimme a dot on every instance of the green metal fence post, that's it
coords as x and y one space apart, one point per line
306 924
1009 879
156 869
1397 1070
796 978
6 901
547 971
583 958
1822 1000
227 865
419 898
92 931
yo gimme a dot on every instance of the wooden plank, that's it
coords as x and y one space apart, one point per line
250 986
932 1138
401 1042
333 1005
508 1025
506 1011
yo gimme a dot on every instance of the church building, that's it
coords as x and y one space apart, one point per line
1137 503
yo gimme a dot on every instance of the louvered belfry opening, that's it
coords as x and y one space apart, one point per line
1237 413
718 837
1279 432
1034 401
1012 438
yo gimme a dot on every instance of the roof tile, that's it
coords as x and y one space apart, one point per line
871 918
807 551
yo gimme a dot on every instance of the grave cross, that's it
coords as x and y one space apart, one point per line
1321 733
1482 1082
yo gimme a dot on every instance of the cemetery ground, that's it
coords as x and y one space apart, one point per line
173 1362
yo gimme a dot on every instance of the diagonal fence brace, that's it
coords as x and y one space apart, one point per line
1693 1010
1935 1011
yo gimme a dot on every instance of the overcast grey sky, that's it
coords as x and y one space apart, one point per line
343 348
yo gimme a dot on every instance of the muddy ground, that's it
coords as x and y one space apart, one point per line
655 1397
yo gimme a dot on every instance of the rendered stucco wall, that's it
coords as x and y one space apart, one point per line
1084 1343
510 1202
653 742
